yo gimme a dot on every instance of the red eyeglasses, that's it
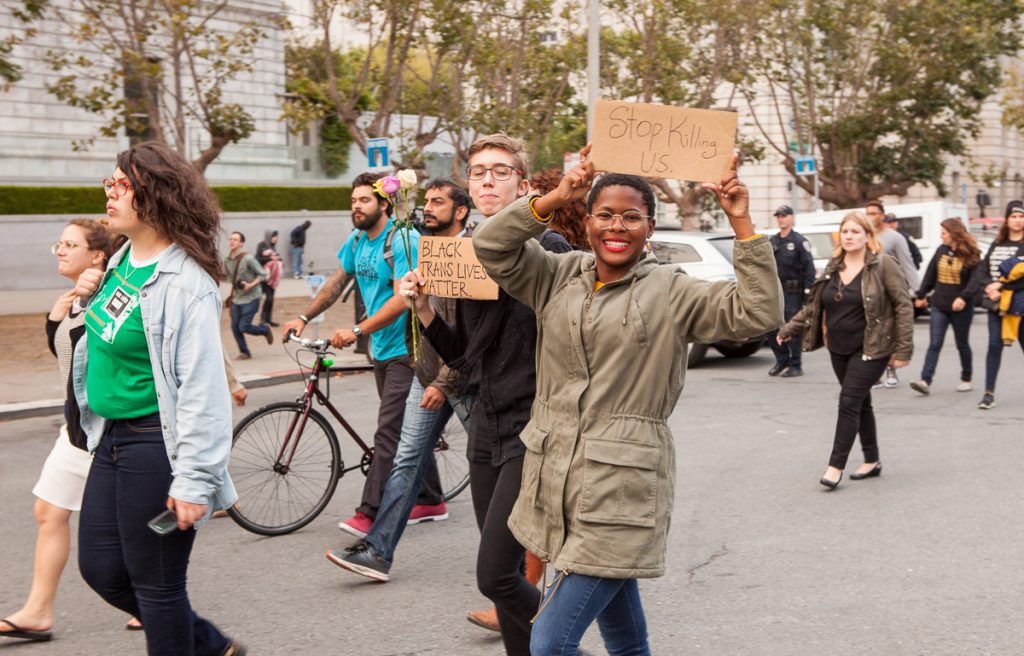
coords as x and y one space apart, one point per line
119 187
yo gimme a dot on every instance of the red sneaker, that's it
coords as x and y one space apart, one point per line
358 525
424 513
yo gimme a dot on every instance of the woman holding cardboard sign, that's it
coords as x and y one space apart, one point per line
599 472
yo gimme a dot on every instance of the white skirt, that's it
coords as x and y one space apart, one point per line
62 481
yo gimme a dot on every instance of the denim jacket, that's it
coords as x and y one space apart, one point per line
181 308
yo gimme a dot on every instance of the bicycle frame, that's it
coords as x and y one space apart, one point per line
313 392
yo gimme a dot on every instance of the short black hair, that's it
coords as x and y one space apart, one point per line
240 235
456 194
367 180
621 179
875 203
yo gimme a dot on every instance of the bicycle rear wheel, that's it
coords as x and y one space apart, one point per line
278 496
450 455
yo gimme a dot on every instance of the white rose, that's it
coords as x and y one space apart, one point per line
408 178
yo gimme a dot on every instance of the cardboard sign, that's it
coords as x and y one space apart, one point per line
451 269
660 141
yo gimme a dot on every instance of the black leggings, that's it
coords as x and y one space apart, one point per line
856 375
499 562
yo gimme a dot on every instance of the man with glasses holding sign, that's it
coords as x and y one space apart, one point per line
493 343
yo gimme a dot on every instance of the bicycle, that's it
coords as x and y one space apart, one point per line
286 460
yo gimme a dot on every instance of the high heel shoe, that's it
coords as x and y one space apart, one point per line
831 485
874 471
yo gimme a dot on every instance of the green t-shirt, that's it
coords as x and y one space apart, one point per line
119 377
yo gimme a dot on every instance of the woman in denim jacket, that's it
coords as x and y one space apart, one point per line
149 378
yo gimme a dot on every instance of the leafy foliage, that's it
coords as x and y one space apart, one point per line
882 90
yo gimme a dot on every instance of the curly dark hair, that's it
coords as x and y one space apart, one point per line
172 197
569 221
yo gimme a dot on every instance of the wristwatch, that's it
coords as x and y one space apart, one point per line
357 330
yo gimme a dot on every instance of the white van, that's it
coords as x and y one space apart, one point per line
919 220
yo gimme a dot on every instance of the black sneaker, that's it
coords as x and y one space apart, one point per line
361 559
988 401
792 372
776 369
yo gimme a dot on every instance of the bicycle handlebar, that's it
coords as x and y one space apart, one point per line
315 344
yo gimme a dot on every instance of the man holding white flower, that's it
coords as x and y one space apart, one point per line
375 253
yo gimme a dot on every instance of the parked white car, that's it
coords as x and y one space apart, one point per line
707 256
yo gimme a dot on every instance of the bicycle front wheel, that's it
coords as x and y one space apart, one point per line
285 467
450 455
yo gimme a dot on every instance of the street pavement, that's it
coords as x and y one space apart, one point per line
924 560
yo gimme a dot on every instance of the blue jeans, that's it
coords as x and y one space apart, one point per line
788 354
420 430
296 255
132 568
241 323
995 349
938 325
571 605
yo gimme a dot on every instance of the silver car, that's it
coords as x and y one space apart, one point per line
707 256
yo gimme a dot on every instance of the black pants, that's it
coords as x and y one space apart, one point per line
393 378
499 561
788 354
132 568
856 375
268 304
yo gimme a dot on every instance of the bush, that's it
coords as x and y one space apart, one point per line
17 200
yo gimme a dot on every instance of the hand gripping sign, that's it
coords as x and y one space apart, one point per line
451 269
660 141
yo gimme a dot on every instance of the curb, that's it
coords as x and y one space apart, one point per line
47 407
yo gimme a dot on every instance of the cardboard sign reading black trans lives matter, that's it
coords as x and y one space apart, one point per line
660 141
451 269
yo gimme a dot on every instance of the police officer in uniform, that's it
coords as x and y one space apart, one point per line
796 271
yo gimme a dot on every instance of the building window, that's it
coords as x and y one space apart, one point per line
548 38
306 165
305 137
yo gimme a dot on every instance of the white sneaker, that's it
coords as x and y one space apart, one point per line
964 386
891 379
921 387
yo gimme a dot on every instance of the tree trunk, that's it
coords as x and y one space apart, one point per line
217 145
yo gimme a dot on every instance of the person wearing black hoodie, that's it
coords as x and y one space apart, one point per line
953 287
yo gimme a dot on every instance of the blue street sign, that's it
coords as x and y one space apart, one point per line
805 165
377 153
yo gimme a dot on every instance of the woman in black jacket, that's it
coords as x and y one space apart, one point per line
953 286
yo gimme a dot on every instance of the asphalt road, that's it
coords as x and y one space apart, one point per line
761 560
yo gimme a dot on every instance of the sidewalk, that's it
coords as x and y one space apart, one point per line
30 381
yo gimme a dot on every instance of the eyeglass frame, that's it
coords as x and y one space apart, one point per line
66 245
111 184
490 169
620 217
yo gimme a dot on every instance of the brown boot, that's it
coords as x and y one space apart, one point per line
486 619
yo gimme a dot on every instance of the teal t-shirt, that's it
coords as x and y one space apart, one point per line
364 258
119 376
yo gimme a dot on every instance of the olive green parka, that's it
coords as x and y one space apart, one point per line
599 471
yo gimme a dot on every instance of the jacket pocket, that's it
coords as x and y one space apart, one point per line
533 438
620 483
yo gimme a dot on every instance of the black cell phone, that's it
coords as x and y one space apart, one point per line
240 284
164 523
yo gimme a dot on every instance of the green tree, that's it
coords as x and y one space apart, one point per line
688 53
882 91
26 13
158 69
